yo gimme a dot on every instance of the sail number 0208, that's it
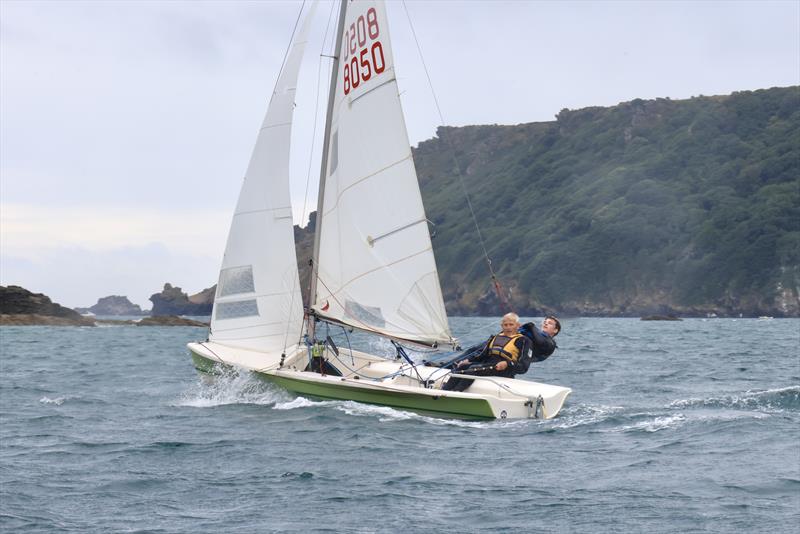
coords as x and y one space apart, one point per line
362 36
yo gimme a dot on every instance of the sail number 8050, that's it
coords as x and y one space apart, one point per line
362 36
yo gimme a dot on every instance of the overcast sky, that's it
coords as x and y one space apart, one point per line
126 127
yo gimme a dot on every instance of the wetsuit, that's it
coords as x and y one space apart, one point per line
515 350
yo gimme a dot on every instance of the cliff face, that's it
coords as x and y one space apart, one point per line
648 207
18 306
173 301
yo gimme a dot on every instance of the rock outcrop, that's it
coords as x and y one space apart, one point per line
18 306
173 301
113 305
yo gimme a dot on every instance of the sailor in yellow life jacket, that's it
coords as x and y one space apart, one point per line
505 354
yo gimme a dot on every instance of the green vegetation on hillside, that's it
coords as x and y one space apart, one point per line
650 206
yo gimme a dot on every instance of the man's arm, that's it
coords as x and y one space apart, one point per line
522 364
479 358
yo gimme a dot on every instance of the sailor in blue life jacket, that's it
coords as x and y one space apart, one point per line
508 353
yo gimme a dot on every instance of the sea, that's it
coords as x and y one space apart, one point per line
690 426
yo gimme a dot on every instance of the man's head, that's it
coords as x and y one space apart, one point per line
551 326
509 324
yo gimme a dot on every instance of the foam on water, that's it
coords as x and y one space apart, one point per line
58 401
302 402
770 400
381 413
389 414
675 414
231 387
656 423
585 414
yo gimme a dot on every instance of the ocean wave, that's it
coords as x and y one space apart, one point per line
622 419
389 414
383 413
654 424
770 400
58 401
301 402
348 407
585 414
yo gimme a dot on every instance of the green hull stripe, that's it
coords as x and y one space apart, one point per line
413 401
479 408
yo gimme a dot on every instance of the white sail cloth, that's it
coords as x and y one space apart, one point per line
376 270
258 303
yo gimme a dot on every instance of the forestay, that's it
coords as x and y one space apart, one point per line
376 270
258 303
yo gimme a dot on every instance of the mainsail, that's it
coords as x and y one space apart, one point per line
258 303
375 267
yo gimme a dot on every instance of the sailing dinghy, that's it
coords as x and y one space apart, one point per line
373 265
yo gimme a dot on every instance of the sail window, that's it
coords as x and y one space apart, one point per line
235 280
334 152
366 315
236 310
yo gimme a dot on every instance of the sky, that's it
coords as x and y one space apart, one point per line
126 127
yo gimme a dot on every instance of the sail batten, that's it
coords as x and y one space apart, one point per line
374 269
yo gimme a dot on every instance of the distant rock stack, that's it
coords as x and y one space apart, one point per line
173 301
113 305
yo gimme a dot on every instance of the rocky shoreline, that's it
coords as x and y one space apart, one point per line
32 319
35 319
20 307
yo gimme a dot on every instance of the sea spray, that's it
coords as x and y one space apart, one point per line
233 386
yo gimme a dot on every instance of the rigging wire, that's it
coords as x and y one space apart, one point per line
316 117
495 281
356 372
291 42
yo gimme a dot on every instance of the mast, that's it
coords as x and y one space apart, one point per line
312 294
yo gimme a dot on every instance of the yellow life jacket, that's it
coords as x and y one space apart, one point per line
504 346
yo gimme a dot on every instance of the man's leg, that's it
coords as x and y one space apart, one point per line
456 383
